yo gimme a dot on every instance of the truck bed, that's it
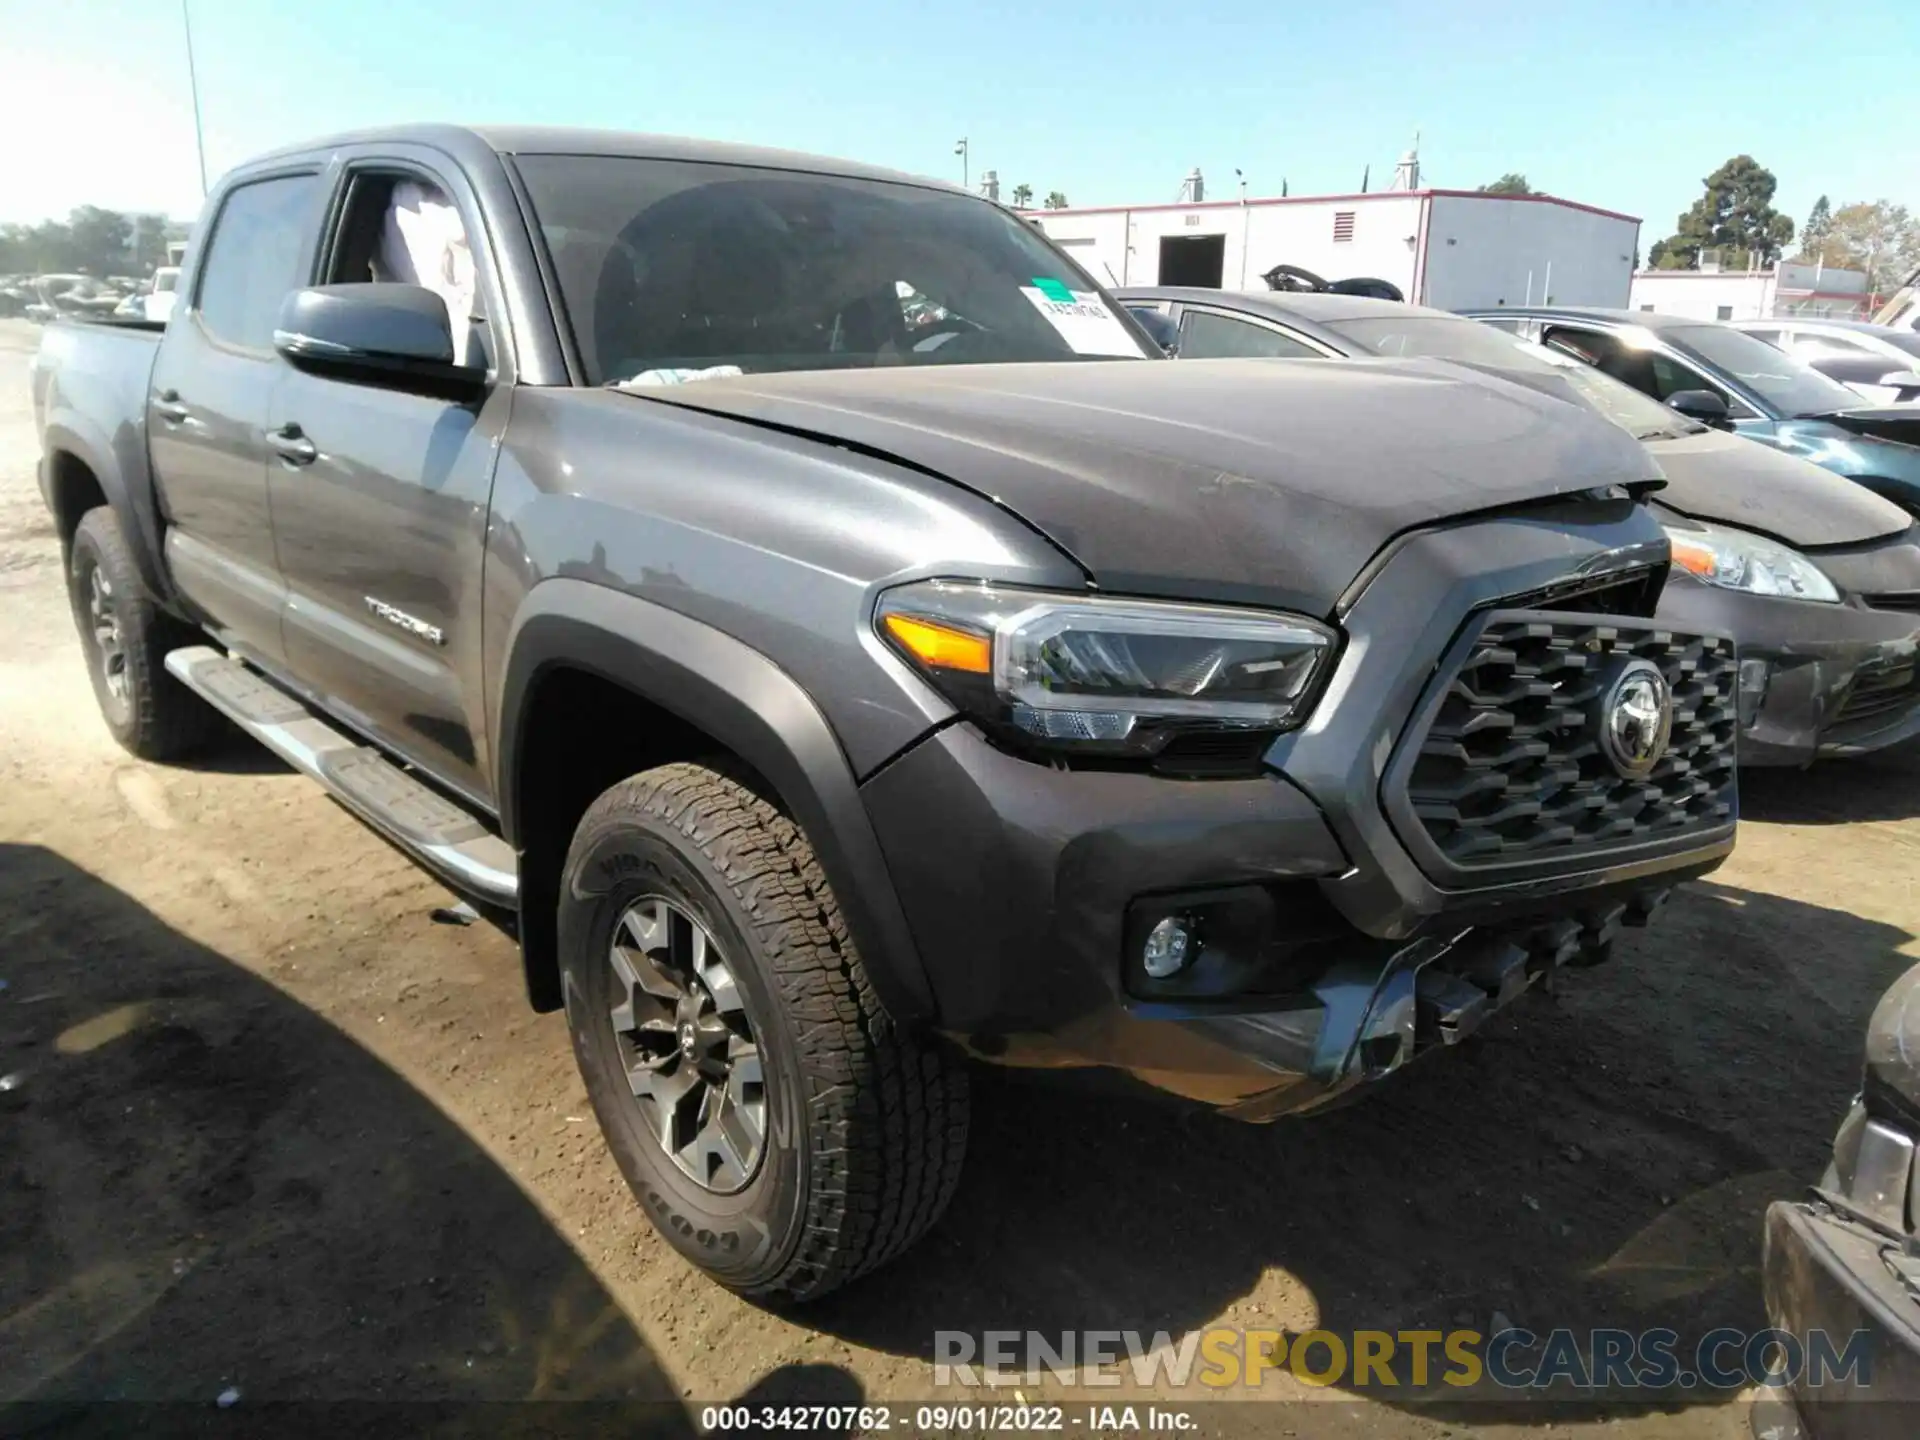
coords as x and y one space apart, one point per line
90 381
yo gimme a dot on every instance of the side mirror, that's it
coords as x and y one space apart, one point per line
1702 405
379 334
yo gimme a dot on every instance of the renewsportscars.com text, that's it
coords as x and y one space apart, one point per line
1511 1358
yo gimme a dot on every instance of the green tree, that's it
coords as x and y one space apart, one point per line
1022 196
1735 216
1511 183
1876 236
1814 233
147 248
1056 200
99 240
91 239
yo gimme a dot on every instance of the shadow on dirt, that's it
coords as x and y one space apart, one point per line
234 753
210 1189
1836 792
1603 1157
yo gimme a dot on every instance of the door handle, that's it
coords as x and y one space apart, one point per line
292 446
167 405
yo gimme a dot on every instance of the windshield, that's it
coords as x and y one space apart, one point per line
1473 343
676 270
1788 384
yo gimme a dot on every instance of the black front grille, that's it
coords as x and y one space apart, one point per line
1879 692
1510 768
1906 600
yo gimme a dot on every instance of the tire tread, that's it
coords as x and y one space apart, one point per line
165 719
887 1109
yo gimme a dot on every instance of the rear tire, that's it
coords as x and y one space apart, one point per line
125 637
861 1127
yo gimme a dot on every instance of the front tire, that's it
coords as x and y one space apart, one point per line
778 1128
125 637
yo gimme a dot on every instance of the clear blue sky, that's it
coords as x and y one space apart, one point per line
1625 105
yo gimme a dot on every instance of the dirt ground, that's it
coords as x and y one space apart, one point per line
267 1125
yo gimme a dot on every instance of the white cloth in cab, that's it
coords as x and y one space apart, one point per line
424 243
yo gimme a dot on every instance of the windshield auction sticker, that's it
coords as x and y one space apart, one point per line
1082 318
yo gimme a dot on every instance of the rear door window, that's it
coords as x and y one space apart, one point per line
253 258
1206 335
1819 343
1671 376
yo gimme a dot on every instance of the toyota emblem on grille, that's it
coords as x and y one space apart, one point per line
1636 719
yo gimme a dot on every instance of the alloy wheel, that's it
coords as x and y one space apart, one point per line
103 615
689 1050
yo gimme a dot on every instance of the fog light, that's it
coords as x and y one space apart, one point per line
1754 677
1169 947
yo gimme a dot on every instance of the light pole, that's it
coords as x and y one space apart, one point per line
193 84
960 150
1246 226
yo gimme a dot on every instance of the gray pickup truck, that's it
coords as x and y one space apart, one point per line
801 603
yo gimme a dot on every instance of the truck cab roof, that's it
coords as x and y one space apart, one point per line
462 141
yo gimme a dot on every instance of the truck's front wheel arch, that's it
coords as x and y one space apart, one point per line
599 685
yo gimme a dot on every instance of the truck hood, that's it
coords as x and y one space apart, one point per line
1262 481
1717 476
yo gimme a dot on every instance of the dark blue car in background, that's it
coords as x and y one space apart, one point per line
1726 378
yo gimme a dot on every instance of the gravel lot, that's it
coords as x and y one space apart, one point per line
272 1127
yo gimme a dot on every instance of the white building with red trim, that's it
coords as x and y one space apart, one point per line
1446 248
1713 293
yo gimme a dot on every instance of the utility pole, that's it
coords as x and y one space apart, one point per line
1245 225
960 150
193 84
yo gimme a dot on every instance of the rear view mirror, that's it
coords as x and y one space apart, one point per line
380 334
1907 382
1702 405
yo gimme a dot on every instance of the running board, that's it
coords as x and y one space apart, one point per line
436 832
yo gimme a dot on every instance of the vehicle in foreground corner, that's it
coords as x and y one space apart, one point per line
1844 1262
1817 579
1876 362
1729 380
830 698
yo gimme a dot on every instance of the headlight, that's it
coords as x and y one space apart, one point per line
1735 560
1106 676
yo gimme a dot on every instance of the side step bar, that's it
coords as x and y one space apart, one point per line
435 831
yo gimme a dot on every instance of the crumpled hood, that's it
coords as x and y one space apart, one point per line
1264 481
1717 476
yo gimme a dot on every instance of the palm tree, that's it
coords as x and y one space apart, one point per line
1022 196
1056 200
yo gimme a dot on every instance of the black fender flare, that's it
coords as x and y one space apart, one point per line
750 706
68 433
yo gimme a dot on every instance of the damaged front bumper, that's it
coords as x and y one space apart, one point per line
1429 996
1843 1266
1339 938
1817 681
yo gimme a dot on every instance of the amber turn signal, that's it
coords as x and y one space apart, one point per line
940 647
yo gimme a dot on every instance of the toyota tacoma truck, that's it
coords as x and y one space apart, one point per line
825 701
